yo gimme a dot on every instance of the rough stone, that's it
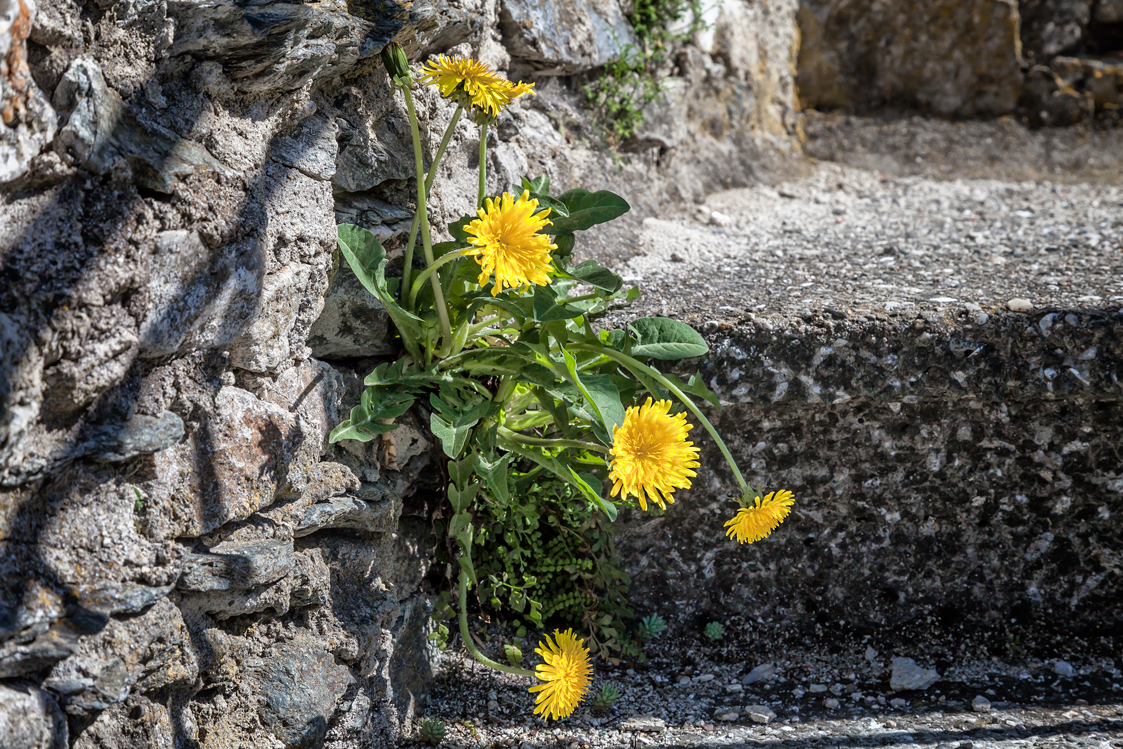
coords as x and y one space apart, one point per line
1063 668
1019 305
1048 100
908 676
100 129
237 565
980 704
952 57
31 719
140 435
1052 27
352 324
565 36
763 671
643 724
312 149
265 344
300 690
351 514
27 122
198 298
226 468
138 723
146 652
1100 79
1108 11
760 714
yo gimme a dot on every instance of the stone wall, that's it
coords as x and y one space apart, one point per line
185 561
1052 62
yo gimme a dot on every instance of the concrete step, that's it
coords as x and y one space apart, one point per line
933 368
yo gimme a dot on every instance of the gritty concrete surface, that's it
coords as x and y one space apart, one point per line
858 241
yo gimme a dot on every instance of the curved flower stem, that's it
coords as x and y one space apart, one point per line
546 442
420 280
658 376
423 215
483 167
407 267
466 636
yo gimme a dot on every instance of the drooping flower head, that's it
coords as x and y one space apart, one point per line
565 675
473 85
760 517
651 456
507 243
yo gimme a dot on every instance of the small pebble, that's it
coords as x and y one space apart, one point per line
727 715
702 678
733 687
898 702
830 703
718 218
643 724
760 714
980 704
763 671
1019 305
1063 668
818 688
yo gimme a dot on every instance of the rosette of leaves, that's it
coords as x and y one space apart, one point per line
432 731
605 698
651 626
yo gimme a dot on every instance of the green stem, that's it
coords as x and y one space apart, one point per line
408 267
420 280
423 214
658 376
547 442
483 167
466 636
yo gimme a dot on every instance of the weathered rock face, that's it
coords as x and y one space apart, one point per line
954 489
1053 27
187 561
951 57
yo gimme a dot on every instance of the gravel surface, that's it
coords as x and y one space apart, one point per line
692 694
858 242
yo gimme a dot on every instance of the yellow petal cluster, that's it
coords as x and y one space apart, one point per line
506 242
757 521
651 456
565 675
472 84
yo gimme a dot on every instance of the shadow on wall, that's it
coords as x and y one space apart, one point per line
129 265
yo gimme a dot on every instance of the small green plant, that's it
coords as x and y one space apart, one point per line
714 631
651 626
607 695
632 80
536 407
514 655
432 731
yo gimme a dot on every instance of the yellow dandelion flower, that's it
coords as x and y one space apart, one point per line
472 83
650 454
566 674
751 524
507 243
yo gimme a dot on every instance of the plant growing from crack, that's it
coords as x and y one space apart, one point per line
500 348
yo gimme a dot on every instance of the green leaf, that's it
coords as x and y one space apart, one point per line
539 185
457 229
592 273
452 426
557 208
367 419
495 475
367 258
587 209
546 308
662 338
600 393
584 483
514 655
696 386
